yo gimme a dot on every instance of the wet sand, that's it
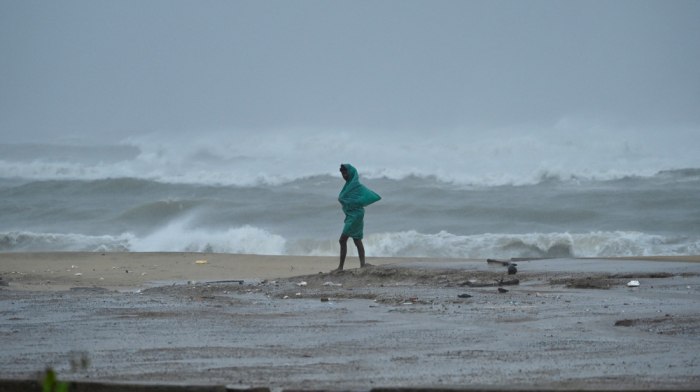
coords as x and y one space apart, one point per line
399 324
121 271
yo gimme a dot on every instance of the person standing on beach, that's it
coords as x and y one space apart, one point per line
354 197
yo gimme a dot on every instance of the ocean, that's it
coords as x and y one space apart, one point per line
569 190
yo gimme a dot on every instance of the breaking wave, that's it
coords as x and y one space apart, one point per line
549 245
250 240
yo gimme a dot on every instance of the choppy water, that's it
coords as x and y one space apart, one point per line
509 194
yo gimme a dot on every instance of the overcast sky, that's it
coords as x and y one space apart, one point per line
104 69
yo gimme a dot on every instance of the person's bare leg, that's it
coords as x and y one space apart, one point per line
361 253
343 251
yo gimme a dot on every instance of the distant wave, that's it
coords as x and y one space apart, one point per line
519 156
251 240
44 171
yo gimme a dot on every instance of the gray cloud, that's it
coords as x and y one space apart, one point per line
101 70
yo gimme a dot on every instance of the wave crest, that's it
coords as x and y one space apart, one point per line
177 237
533 245
24 241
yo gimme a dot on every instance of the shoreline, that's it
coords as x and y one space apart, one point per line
52 271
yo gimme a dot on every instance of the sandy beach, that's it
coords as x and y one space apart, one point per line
125 271
286 322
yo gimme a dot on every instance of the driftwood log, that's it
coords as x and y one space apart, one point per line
239 281
503 263
494 284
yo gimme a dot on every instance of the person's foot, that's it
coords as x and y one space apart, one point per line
337 270
366 265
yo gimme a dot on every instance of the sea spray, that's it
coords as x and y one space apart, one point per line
524 155
244 240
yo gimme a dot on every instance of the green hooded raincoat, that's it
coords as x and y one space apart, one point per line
354 197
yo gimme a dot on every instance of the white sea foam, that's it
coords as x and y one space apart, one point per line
26 241
173 238
178 237
595 244
568 151
482 246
